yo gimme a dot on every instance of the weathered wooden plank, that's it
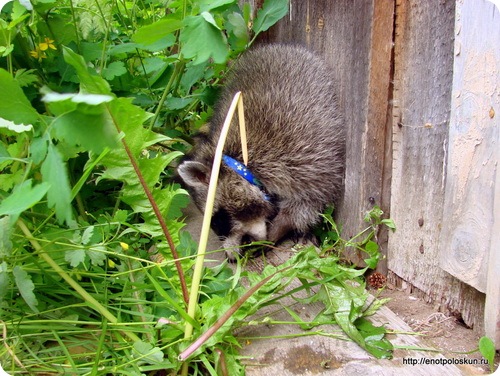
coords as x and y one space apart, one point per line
473 144
376 153
492 305
472 237
422 94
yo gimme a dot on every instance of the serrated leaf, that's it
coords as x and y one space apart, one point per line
59 195
114 69
96 255
75 257
91 99
26 77
15 106
24 197
201 40
25 286
18 128
87 235
270 13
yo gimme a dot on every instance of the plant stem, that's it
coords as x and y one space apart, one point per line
160 218
90 300
178 68
198 268
207 216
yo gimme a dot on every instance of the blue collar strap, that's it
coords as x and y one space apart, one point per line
245 173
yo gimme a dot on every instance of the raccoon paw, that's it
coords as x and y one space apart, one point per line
304 239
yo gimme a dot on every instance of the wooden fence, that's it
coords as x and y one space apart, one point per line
420 91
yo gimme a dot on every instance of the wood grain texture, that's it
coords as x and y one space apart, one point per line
473 144
400 163
422 96
471 229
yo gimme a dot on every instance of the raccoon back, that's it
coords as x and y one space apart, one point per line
294 126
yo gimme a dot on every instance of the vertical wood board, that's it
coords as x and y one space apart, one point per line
471 232
492 306
422 94
473 144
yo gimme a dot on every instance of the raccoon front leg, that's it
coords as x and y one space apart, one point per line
292 217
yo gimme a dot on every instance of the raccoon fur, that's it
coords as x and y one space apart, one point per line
295 145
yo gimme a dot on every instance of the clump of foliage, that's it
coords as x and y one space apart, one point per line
99 98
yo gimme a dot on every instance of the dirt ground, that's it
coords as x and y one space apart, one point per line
440 331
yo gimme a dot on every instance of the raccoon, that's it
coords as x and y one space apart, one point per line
296 143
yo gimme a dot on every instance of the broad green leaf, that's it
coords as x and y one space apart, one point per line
201 40
18 128
238 32
91 51
148 353
270 13
88 126
373 251
90 99
15 106
157 31
207 16
389 223
192 75
89 83
25 286
206 5
174 103
38 148
375 341
24 197
59 195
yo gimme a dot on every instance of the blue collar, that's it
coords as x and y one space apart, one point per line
245 173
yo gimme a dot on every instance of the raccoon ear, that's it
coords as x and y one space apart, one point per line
194 174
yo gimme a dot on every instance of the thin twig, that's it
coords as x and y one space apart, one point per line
161 221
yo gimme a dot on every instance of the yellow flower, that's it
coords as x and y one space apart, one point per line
38 54
124 246
49 43
111 263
